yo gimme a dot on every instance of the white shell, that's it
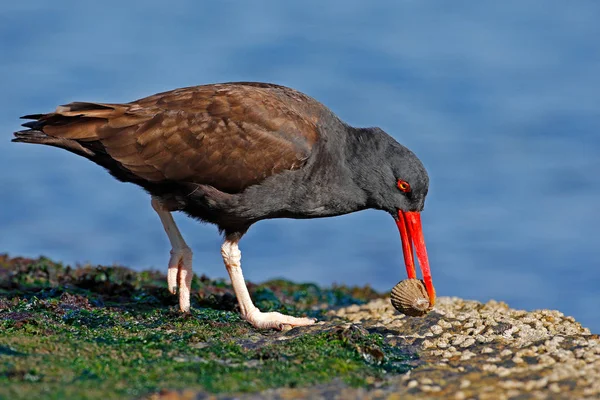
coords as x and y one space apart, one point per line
410 297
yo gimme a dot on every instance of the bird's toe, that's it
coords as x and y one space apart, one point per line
275 320
179 276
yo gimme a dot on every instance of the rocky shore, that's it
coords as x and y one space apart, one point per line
468 350
109 332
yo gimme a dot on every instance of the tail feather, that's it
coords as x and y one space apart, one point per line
85 107
79 128
81 121
39 137
33 124
32 116
73 126
30 136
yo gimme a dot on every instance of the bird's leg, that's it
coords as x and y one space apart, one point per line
180 264
232 257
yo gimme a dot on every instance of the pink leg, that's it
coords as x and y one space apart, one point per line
232 258
180 264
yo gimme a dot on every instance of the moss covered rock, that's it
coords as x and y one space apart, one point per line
110 332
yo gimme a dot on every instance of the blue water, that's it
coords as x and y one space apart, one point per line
500 100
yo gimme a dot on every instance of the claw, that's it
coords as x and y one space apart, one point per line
180 275
275 320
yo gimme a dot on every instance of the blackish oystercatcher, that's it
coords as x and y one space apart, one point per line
236 153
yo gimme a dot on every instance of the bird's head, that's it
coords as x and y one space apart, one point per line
398 183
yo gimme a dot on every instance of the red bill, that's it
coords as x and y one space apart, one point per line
411 233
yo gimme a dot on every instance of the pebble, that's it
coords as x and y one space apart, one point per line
436 329
473 340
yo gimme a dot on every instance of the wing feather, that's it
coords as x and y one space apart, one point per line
229 136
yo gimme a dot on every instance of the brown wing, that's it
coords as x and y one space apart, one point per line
229 136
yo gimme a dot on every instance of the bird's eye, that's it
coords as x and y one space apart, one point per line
403 186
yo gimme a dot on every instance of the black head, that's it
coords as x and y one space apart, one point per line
408 180
392 175
396 181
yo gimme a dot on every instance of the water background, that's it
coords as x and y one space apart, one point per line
501 101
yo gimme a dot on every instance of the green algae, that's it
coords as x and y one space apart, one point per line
110 332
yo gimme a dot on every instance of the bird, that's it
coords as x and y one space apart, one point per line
233 154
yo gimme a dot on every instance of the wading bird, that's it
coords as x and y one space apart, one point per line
233 154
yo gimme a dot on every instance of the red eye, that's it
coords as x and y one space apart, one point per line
403 185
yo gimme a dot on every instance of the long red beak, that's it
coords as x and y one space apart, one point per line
411 233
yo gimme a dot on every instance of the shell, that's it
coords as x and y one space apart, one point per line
410 297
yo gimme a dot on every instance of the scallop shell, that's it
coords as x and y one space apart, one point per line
410 297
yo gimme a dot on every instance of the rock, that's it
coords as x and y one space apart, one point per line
465 349
486 351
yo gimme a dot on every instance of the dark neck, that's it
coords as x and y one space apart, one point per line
365 149
340 178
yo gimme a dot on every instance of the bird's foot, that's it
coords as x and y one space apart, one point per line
275 320
180 275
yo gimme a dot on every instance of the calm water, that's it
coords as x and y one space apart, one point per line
501 102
